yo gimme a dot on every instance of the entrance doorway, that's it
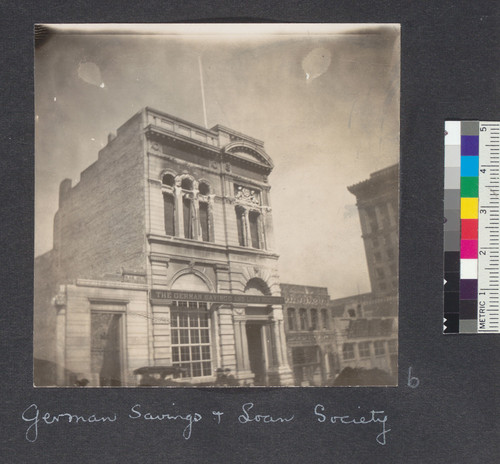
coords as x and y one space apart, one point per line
106 348
256 353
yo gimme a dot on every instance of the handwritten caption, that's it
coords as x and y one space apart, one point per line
247 415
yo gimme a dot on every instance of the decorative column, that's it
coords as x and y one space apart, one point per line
268 227
211 232
216 332
179 222
226 337
285 375
243 371
262 234
246 228
196 208
196 217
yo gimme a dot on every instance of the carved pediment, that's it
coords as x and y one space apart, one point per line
249 155
247 152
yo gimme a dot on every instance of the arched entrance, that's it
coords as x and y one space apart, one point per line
261 346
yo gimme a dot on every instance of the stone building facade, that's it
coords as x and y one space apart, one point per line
163 255
310 334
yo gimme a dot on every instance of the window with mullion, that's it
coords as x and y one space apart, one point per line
190 331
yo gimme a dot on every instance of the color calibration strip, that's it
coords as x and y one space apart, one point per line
471 227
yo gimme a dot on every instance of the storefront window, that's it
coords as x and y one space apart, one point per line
190 330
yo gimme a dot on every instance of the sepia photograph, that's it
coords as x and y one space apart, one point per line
216 205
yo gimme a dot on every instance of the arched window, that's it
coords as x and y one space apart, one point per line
204 221
291 318
253 219
190 330
168 179
204 188
169 213
187 213
250 228
187 183
240 223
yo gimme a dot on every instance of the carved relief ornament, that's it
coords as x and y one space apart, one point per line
246 195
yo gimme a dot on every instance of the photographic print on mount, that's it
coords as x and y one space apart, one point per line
216 205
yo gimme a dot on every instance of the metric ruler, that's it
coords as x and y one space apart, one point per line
488 228
471 227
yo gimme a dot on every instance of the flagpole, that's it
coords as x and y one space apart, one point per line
202 93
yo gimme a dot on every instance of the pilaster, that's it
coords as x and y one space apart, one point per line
179 223
226 337
284 373
243 372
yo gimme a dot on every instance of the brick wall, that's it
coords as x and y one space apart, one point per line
100 225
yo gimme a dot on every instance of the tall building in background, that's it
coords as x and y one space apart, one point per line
367 324
163 256
377 202
352 340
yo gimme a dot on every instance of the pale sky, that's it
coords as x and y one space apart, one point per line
325 101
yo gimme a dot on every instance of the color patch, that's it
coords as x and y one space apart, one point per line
451 300
453 133
468 309
469 145
469 229
452 157
452 241
469 208
452 261
468 249
469 166
468 289
467 325
451 322
469 128
452 199
452 281
452 178
469 187
468 268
